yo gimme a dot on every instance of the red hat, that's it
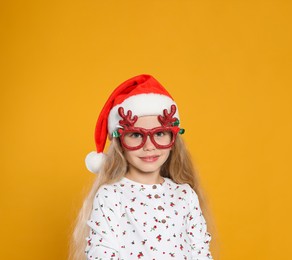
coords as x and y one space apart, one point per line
143 95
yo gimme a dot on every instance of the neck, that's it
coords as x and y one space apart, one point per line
145 178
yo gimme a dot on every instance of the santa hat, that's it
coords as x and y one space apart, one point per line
143 95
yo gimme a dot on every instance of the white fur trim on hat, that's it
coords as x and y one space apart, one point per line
94 161
140 105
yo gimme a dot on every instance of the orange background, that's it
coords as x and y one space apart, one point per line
226 63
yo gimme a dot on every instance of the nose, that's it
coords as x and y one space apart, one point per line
148 146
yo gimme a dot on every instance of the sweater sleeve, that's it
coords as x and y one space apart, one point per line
103 239
197 230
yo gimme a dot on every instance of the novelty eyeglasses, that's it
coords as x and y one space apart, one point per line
134 138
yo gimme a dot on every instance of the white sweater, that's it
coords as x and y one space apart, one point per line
131 220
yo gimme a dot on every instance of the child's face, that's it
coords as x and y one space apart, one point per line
147 159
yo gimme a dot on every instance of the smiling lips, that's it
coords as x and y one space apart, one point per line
149 158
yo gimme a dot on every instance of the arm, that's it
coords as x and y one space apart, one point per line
103 240
197 230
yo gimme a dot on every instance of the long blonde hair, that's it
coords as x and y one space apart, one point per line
178 167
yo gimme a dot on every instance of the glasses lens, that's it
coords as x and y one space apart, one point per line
133 139
163 138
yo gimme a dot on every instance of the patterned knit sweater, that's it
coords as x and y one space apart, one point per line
131 220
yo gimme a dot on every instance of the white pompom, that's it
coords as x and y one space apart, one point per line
94 161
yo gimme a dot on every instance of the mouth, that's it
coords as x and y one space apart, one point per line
149 158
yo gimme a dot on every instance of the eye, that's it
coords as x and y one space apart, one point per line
160 134
135 135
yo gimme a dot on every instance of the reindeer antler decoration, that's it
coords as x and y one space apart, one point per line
127 120
168 119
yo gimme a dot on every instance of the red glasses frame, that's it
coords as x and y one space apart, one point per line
148 132
167 120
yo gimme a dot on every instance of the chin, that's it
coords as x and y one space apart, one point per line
146 170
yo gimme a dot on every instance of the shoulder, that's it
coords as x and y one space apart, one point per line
184 187
107 193
191 191
107 202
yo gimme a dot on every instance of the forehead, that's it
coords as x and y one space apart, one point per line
147 122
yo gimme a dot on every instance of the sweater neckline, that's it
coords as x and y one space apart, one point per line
146 186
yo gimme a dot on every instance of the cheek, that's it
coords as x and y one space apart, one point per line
167 154
129 155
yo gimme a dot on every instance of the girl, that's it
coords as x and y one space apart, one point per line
145 202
